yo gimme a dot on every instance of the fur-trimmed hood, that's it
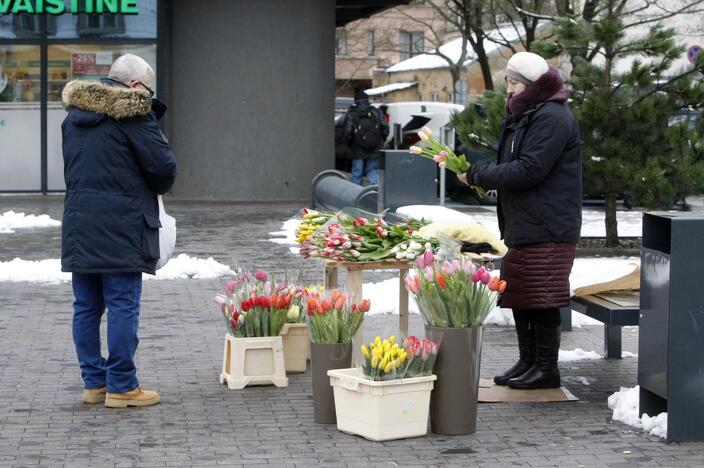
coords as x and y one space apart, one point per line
112 101
549 87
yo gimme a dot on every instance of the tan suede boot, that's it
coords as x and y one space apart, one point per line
94 395
136 397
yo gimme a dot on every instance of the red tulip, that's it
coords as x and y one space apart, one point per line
502 286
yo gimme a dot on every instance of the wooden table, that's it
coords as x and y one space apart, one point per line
354 282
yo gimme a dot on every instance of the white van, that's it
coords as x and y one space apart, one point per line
413 115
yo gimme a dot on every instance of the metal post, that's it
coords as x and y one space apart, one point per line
397 135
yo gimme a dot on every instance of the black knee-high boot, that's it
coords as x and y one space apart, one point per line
526 352
544 373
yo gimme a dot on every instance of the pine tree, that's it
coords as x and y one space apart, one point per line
631 144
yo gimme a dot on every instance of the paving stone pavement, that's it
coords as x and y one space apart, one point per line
201 423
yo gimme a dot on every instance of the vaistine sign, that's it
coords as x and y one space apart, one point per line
58 7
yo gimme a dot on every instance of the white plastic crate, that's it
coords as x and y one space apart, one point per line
253 361
393 409
296 346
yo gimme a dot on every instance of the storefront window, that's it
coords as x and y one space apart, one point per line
20 118
68 62
142 25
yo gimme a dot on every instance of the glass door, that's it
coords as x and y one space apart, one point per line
20 117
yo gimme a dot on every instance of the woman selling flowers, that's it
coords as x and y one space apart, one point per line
538 177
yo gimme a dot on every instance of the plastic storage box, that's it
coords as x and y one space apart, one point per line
386 410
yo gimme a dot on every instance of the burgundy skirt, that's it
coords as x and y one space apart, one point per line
538 276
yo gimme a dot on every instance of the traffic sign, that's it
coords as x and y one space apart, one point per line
693 53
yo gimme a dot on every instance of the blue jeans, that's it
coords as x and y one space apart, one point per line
365 167
120 293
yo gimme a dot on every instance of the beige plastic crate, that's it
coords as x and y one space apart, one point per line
296 346
253 361
393 409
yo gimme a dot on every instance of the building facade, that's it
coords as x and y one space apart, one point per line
368 45
249 85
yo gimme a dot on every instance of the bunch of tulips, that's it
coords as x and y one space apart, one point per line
442 154
453 293
386 360
333 317
360 239
438 152
422 355
254 305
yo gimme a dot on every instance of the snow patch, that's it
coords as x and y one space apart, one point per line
436 213
625 403
9 221
287 234
49 271
577 354
389 88
184 266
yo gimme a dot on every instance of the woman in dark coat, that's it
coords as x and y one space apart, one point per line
538 177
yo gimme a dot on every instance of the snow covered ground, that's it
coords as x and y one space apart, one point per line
9 221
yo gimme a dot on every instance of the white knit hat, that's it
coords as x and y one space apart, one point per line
526 67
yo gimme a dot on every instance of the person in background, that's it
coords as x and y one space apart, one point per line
116 161
538 177
365 132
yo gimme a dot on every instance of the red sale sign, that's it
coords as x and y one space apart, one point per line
90 65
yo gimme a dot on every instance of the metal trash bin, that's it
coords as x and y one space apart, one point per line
671 339
406 179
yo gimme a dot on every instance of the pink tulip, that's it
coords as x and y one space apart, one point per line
476 276
427 131
467 267
261 275
485 277
442 165
428 257
456 265
220 299
429 274
415 150
448 268
438 158
420 261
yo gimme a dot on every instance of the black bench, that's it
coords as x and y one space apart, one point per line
614 310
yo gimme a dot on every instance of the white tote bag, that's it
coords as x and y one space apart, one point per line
167 235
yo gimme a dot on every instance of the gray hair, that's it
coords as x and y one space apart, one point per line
131 67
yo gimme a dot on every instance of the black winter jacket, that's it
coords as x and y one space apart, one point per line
362 107
116 161
538 176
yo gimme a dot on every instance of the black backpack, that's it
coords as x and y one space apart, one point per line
366 132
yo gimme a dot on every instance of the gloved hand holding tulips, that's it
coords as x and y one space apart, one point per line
255 306
333 317
454 293
386 360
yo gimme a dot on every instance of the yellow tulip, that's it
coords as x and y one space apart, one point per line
375 361
392 339
377 340
389 367
383 363
365 351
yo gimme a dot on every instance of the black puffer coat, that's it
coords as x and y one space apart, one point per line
115 162
539 182
538 176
